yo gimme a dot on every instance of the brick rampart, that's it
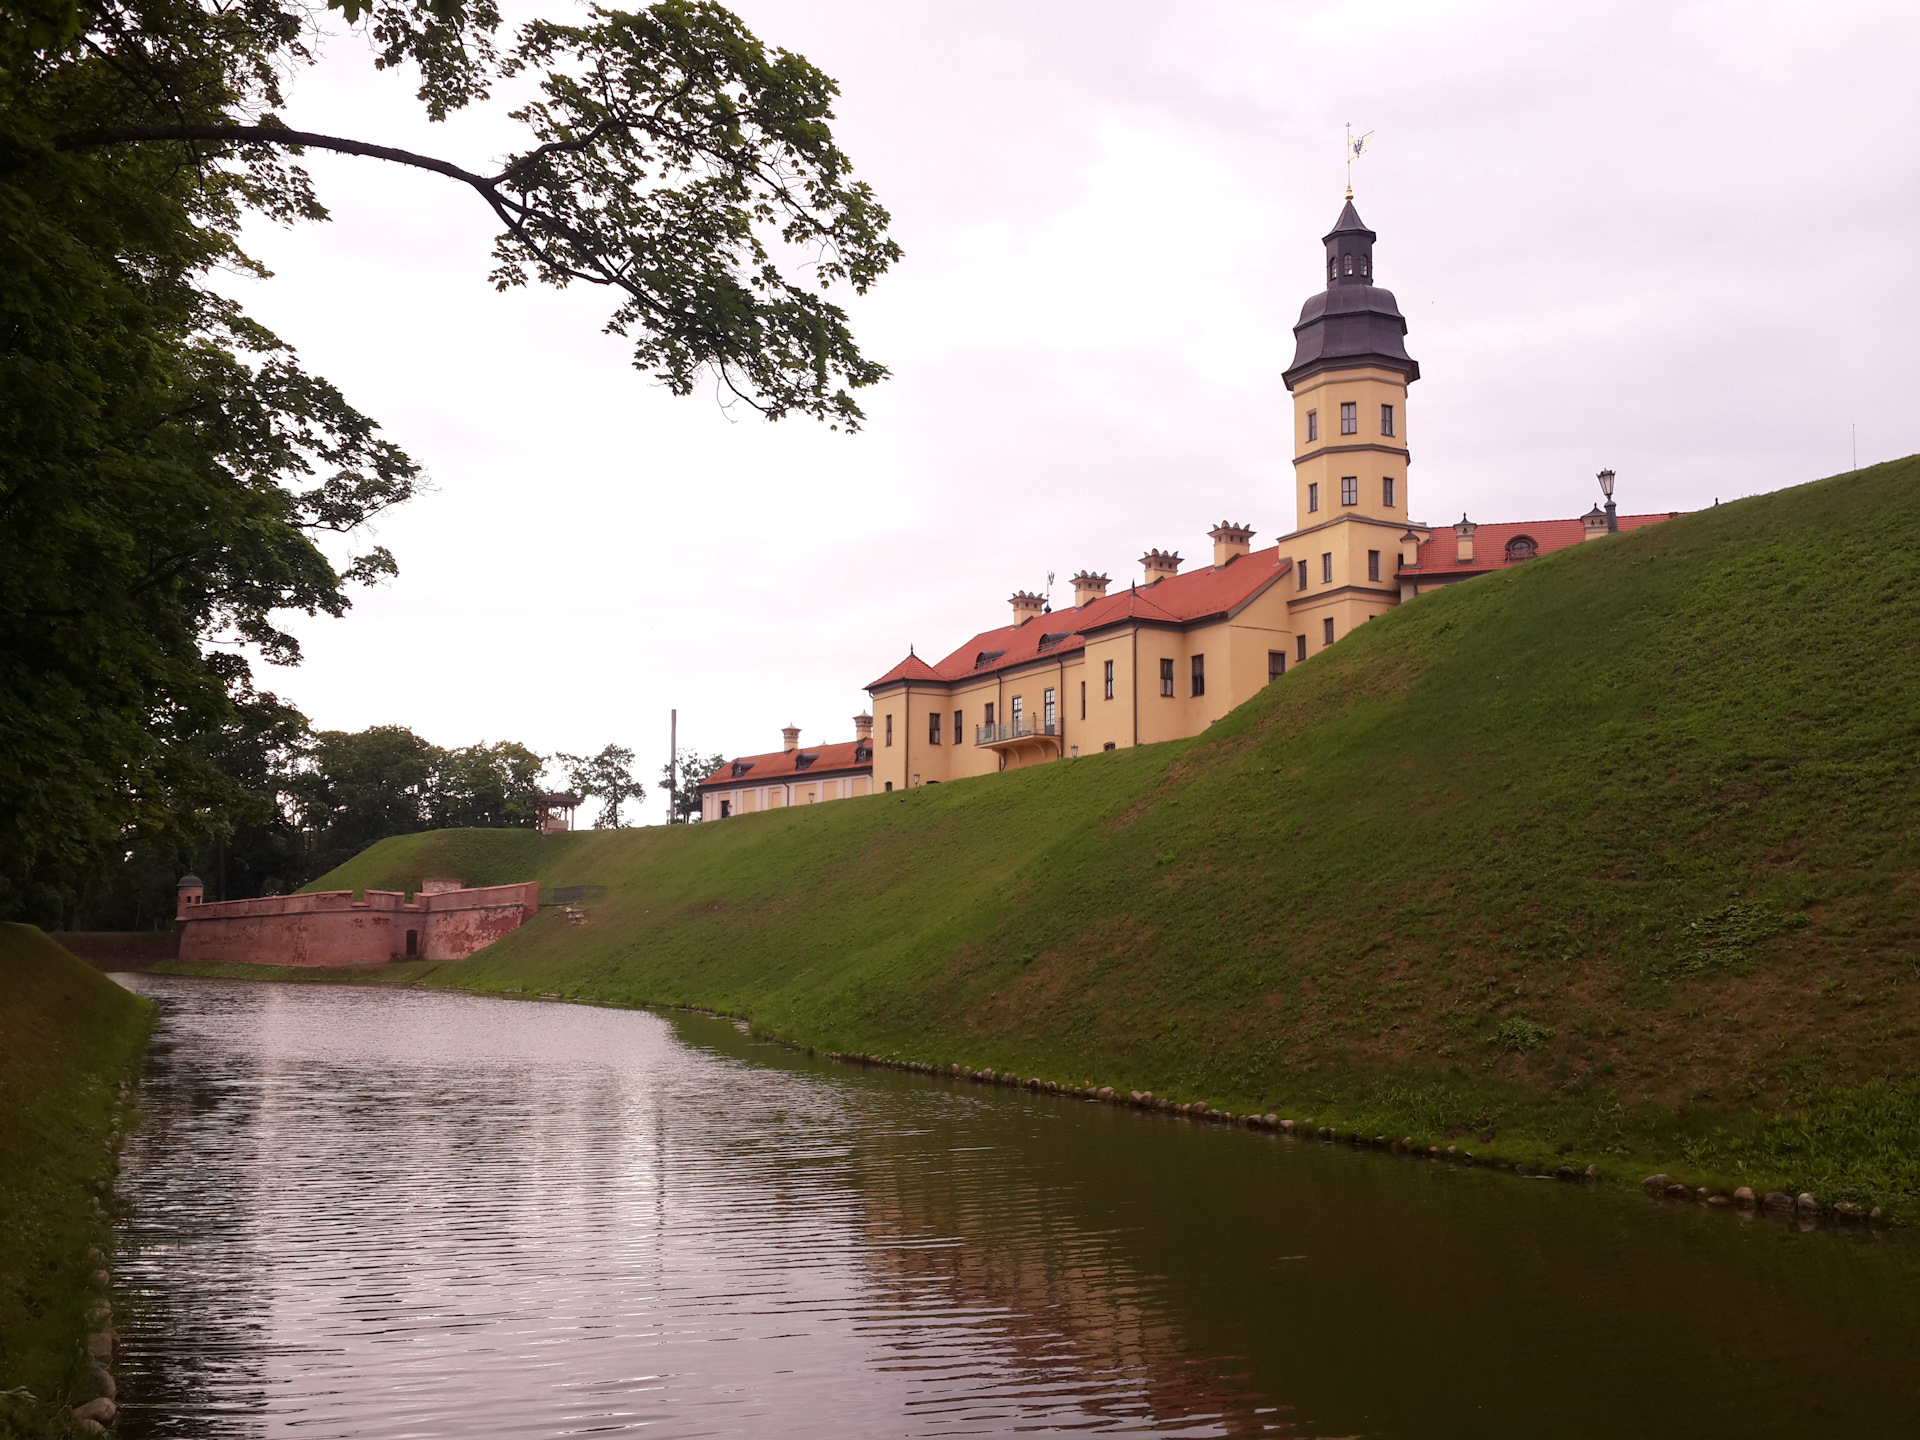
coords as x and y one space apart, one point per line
329 927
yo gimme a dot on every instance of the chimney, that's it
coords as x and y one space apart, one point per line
189 892
791 735
1593 524
1159 564
863 728
1229 540
1025 606
1463 541
1089 586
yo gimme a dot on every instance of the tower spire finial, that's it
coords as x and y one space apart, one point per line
1355 149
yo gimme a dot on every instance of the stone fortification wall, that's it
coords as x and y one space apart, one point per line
330 928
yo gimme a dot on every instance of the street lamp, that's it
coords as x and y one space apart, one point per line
1606 488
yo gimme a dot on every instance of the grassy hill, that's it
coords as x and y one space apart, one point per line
67 1036
1611 854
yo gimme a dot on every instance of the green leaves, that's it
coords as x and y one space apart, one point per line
686 166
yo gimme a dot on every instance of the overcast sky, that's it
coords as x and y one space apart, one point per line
1673 239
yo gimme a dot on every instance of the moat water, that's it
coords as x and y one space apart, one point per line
372 1214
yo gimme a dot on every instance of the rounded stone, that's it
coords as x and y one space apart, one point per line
1778 1200
1847 1210
1808 1203
100 1345
102 1379
1592 1172
99 1410
1654 1184
1718 1200
1744 1196
1679 1192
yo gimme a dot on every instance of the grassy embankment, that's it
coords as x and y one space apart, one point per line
1611 855
68 1037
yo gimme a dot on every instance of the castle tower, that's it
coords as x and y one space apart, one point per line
1349 381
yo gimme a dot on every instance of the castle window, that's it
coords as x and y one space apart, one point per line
933 727
1015 711
1199 675
1300 569
958 715
1313 424
1386 419
1313 496
1373 564
1349 417
1326 568
1083 699
989 712
1107 746
1333 268
1386 491
1365 265
1349 264
726 809
1521 547
1326 631
1299 647
1349 489
1048 713
1276 664
889 728
1166 678
1107 671
889 784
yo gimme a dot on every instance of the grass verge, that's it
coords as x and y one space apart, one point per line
69 1038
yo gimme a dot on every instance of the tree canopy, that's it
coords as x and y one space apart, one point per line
170 466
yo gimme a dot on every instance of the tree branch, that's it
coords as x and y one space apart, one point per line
266 135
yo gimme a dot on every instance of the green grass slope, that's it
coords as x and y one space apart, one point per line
68 1036
1610 854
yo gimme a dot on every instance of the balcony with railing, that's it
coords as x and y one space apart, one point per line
1019 732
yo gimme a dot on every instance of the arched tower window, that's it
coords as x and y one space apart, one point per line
1521 547
1349 264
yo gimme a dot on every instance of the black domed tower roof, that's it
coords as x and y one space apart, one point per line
1352 322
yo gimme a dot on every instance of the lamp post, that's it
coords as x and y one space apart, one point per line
1606 489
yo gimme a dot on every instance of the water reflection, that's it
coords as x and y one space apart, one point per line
361 1214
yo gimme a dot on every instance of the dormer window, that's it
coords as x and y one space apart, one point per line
1521 547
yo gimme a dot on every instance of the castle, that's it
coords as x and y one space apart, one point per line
1173 651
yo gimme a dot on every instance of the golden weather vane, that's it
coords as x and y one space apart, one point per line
1355 149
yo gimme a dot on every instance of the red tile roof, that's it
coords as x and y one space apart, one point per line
1177 600
1490 543
784 764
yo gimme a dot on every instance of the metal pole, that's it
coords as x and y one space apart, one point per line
673 767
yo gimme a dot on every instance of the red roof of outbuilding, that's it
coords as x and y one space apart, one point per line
784 764
1490 543
1176 600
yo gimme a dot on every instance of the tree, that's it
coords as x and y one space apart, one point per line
359 787
169 463
606 777
683 798
485 787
